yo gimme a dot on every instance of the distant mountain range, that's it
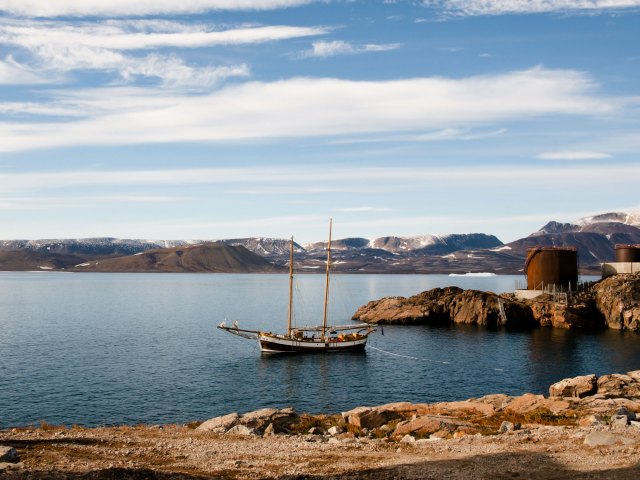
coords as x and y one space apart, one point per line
595 238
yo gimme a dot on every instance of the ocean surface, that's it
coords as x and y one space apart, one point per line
102 349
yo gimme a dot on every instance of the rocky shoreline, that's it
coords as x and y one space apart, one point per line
588 427
613 302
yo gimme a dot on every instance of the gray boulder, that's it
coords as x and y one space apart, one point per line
220 424
604 439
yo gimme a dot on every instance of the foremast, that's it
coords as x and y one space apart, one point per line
326 286
290 309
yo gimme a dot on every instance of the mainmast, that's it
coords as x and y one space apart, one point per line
290 310
326 287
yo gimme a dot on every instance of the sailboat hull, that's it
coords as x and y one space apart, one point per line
270 344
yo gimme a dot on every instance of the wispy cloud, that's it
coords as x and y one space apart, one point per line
573 155
312 178
445 134
324 49
12 72
136 35
304 107
501 7
128 8
56 48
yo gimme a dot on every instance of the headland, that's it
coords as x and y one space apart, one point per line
613 302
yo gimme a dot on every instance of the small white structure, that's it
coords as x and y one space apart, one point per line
524 294
615 268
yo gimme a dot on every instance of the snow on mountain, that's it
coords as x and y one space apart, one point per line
628 218
95 246
265 247
606 223
404 244
414 243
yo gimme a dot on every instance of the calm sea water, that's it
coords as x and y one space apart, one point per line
97 349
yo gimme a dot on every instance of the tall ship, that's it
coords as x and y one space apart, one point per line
320 338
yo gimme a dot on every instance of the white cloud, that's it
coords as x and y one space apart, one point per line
128 8
136 35
14 73
501 7
573 155
324 49
303 107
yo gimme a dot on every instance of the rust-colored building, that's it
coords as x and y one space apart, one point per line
627 253
549 266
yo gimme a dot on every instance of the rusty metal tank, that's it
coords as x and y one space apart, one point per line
627 253
548 266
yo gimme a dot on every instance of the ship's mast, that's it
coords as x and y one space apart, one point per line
326 287
290 311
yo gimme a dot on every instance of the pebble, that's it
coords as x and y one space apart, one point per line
408 439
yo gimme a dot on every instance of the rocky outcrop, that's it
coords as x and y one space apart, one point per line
579 311
618 298
613 302
445 305
574 387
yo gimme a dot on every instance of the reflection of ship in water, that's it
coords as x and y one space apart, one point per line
314 382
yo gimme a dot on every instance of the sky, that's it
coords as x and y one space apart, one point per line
211 119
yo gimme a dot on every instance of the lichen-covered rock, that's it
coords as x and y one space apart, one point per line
530 402
618 385
424 425
574 387
618 299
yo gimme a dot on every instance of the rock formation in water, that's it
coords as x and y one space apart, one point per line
613 302
446 305
618 299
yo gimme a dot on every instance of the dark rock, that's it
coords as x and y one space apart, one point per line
506 427
8 454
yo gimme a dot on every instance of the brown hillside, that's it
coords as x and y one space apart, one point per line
209 257
23 260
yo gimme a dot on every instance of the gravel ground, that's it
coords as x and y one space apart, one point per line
179 452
